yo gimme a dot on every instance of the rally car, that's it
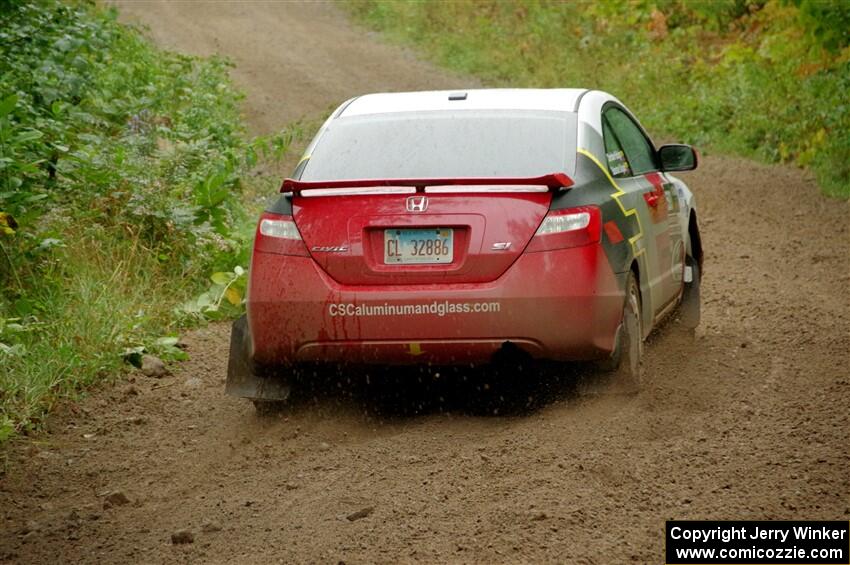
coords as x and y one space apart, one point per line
443 228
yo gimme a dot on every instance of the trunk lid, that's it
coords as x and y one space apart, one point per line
484 225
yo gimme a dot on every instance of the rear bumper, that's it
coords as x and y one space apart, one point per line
560 305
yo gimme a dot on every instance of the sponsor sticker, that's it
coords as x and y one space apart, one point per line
617 162
436 308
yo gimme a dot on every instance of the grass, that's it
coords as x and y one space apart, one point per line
124 172
766 79
100 302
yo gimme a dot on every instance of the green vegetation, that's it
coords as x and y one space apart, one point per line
762 78
122 174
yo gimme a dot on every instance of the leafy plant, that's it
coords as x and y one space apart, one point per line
123 174
828 23
224 298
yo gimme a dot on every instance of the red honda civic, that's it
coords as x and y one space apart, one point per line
443 228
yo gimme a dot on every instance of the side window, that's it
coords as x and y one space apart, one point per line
617 162
639 152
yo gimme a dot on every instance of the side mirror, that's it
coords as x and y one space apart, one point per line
677 157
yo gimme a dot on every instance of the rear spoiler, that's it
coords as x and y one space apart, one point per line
554 181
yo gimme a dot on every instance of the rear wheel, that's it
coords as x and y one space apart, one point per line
626 363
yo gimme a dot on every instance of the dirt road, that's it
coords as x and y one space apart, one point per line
292 59
748 421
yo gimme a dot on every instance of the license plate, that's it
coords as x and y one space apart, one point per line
416 246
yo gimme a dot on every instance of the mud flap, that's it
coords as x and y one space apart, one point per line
243 379
689 309
610 363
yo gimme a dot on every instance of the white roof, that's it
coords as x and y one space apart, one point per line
553 99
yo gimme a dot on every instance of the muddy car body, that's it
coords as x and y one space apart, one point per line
442 227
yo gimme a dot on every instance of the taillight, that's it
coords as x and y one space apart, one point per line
279 234
572 227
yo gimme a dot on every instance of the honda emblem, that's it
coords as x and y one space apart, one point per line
417 203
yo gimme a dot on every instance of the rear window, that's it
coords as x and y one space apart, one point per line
435 144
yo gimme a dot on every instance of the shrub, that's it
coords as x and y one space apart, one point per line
763 78
122 169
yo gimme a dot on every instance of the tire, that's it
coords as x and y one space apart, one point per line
626 362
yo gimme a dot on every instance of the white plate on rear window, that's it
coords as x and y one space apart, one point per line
418 246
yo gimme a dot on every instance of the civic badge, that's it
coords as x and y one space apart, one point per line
417 203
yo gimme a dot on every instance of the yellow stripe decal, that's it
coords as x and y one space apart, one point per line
304 158
616 196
